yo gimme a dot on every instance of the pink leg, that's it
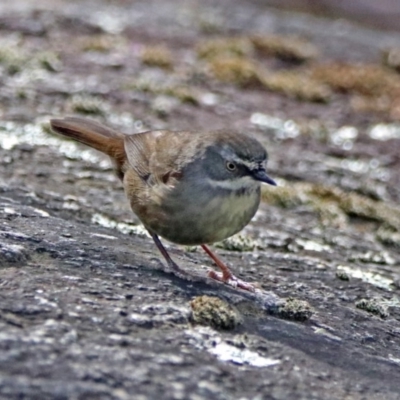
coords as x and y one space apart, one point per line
226 275
173 266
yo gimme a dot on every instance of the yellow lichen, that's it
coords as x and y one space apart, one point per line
235 70
49 61
373 306
89 105
294 309
101 43
239 242
372 80
214 312
157 56
285 47
233 60
245 72
12 58
184 93
335 201
224 47
295 84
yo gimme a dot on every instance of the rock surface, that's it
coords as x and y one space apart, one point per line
86 309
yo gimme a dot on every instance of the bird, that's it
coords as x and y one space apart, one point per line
188 187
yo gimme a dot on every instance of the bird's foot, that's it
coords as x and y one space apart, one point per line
177 270
231 280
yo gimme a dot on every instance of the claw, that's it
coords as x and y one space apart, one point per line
231 281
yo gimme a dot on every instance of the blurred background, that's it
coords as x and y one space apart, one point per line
317 82
383 14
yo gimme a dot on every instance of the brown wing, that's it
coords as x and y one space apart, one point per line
157 156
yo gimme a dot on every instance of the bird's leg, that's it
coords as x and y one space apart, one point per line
226 275
173 266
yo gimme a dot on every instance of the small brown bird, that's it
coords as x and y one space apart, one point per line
190 188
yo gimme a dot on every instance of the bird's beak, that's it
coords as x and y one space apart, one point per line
260 175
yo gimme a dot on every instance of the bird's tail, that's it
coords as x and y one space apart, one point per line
94 135
90 133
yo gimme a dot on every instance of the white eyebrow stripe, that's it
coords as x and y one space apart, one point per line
251 165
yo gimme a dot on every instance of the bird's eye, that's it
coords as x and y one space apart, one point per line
230 166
